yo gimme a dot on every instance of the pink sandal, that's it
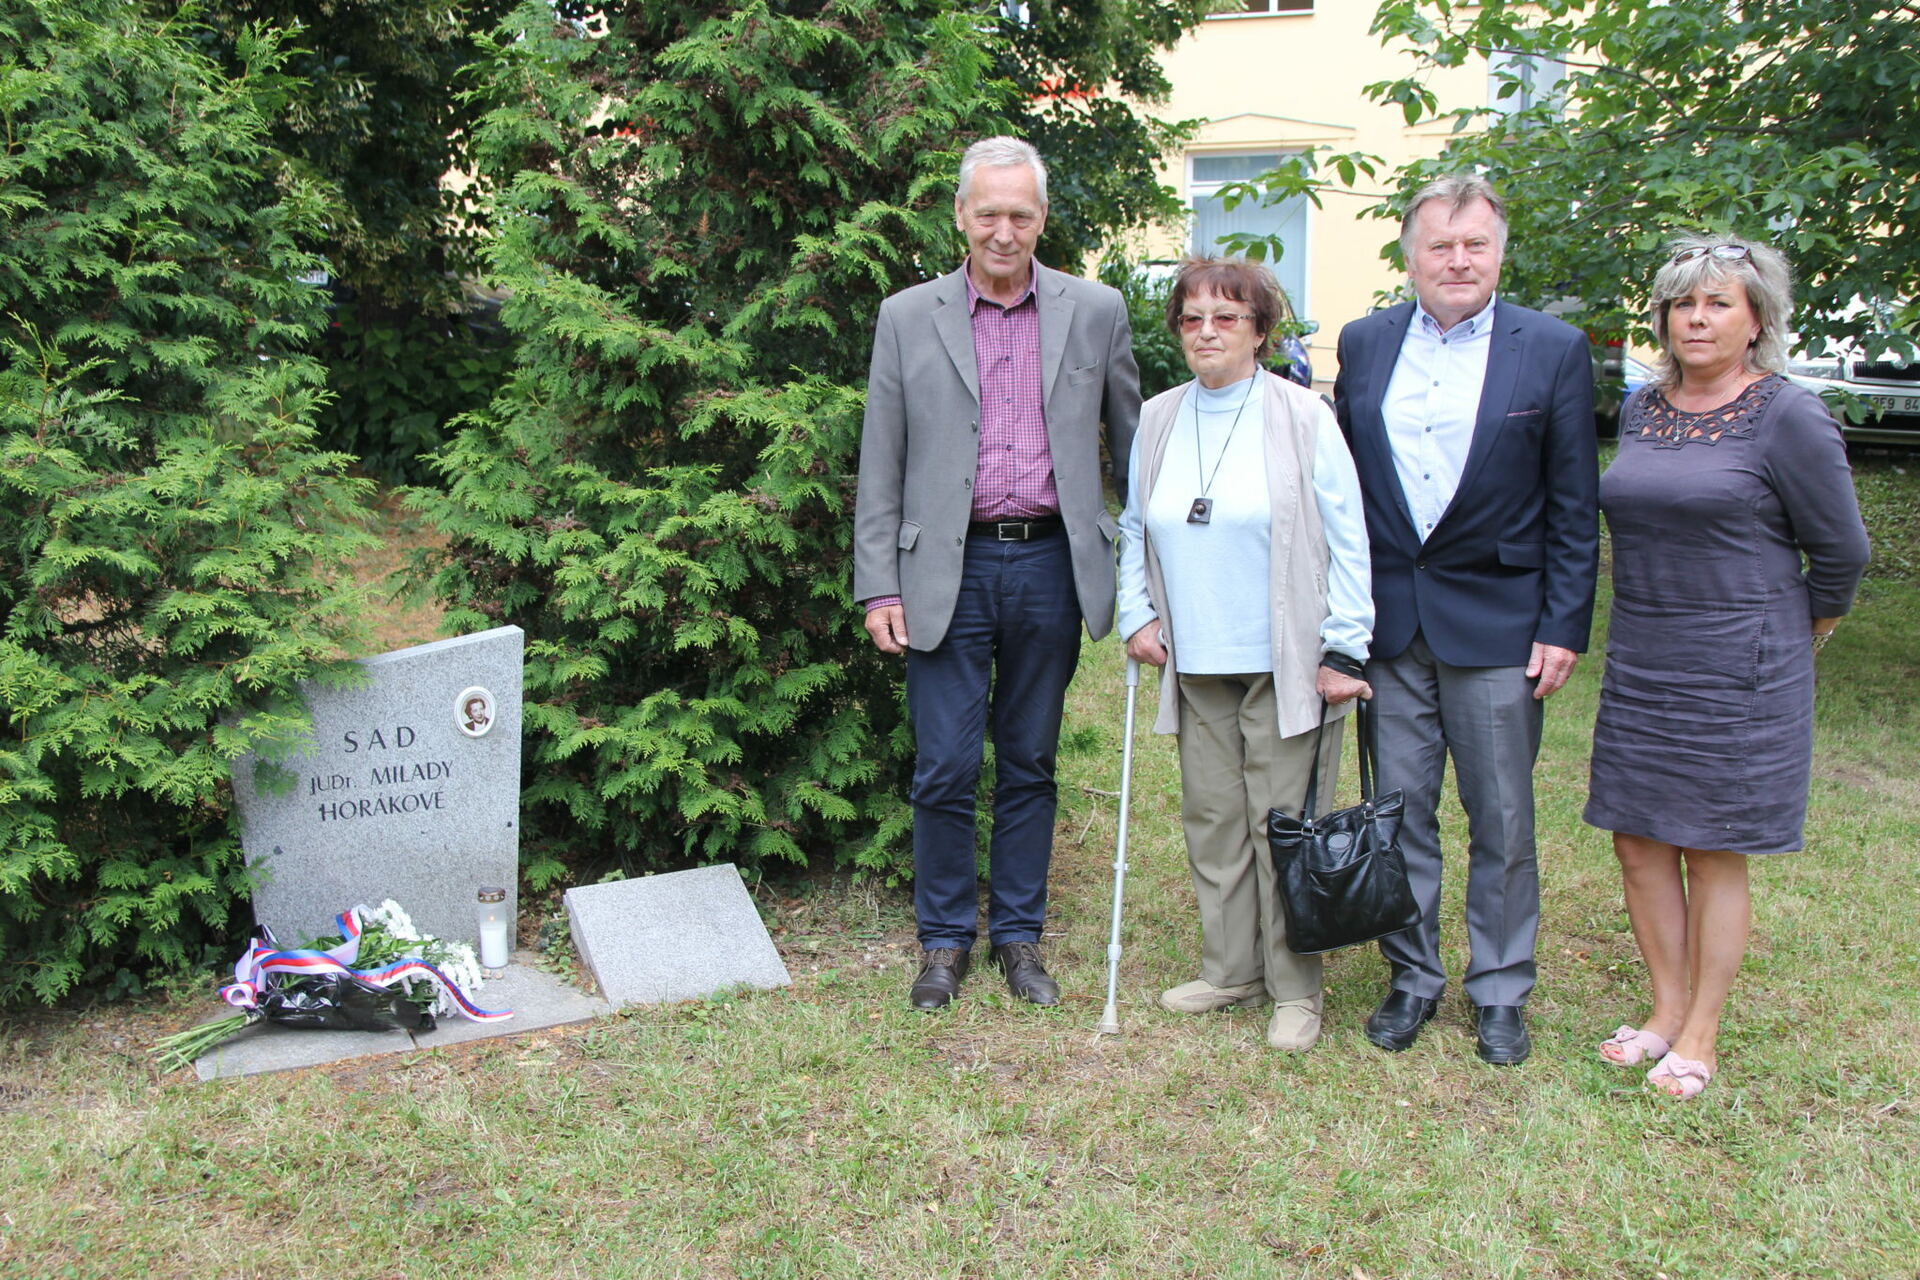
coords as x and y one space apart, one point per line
1691 1076
1635 1047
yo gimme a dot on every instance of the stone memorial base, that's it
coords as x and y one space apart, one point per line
537 998
680 936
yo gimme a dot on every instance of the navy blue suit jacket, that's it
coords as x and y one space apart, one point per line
1513 559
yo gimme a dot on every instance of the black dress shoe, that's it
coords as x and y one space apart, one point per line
1396 1024
942 969
1500 1034
1026 977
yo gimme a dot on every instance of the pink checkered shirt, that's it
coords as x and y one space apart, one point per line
1014 479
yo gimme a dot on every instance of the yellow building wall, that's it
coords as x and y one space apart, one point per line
1282 82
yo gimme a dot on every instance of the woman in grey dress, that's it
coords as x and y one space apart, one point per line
1727 477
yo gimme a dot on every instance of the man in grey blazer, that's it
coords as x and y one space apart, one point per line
1471 425
982 543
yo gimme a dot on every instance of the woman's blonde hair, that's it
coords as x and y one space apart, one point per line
1762 272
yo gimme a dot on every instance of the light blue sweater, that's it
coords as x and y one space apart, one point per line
1216 574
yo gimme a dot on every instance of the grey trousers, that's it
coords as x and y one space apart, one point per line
1234 766
1488 720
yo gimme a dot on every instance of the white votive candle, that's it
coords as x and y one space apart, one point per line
495 928
493 944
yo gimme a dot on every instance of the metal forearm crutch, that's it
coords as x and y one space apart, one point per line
1110 1021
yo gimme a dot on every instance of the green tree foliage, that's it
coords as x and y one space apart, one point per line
170 535
1083 68
1158 353
379 120
378 116
704 206
1784 120
397 377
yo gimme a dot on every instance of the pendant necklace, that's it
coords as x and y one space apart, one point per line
1201 512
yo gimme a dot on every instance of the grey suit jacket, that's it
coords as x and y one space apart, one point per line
920 445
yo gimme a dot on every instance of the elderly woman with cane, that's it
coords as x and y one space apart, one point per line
1244 574
1737 545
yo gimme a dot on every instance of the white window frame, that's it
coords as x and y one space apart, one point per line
1274 9
1301 254
1542 81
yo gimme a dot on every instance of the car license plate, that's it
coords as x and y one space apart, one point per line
1895 404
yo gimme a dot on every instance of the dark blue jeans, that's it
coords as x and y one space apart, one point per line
1012 646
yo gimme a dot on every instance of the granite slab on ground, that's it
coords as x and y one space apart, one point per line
538 999
410 789
679 936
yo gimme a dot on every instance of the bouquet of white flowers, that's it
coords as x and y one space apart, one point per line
431 972
377 973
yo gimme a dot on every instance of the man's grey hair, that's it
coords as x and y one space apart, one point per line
1002 153
1763 273
1458 190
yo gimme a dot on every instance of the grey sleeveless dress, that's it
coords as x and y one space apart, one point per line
1704 737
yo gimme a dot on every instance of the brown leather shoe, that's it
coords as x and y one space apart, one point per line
942 970
1026 976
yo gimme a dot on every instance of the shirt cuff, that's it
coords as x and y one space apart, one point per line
881 602
1344 663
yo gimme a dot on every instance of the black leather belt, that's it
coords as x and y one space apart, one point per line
1016 530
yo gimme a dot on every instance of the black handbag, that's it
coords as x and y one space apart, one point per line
1341 877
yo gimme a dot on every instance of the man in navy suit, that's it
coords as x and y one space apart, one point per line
1471 424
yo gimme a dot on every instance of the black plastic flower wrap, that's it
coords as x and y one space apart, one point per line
342 1002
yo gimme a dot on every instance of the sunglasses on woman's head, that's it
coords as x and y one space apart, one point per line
1724 252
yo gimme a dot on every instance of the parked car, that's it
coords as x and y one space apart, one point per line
1883 393
1616 375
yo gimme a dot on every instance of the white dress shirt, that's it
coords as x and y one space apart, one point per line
1430 406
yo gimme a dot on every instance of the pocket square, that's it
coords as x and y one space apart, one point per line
1526 413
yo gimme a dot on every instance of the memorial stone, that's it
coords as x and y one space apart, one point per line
410 790
679 936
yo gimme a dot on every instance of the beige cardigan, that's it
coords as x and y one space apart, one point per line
1297 581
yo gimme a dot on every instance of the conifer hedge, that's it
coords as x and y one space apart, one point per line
168 532
705 205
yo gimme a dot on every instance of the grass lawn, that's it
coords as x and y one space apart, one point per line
828 1130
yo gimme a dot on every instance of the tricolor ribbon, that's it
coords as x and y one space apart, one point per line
262 961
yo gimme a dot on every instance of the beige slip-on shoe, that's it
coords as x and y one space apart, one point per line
1201 996
1296 1025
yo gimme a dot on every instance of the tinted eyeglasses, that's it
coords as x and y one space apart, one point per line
1223 321
1724 252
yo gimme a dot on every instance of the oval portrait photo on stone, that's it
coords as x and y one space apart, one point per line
473 711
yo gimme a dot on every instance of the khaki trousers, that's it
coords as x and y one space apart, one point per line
1234 766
